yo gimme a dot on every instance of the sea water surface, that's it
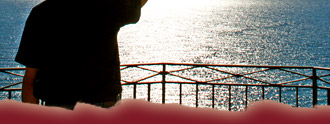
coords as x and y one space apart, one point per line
248 32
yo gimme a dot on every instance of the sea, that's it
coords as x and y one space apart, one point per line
244 32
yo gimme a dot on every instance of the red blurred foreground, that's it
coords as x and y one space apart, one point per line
142 112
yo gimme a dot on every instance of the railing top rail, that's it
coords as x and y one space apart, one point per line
13 68
194 64
322 68
227 65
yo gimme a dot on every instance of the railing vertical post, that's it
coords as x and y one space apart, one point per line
212 95
246 96
263 92
314 78
163 83
328 96
297 97
229 101
280 94
9 94
196 94
149 90
134 91
180 93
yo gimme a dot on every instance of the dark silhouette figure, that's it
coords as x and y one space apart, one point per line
70 51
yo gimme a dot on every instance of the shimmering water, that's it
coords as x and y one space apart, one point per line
258 32
255 32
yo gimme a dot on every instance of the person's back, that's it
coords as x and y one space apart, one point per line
73 43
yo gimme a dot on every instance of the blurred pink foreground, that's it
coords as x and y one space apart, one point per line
142 112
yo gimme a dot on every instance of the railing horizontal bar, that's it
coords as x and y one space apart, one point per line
124 81
221 71
328 88
18 89
148 69
225 65
3 69
124 68
322 68
178 82
295 72
148 77
10 85
324 75
257 80
181 69
127 83
191 64
12 89
222 78
294 81
257 71
141 64
183 77
324 81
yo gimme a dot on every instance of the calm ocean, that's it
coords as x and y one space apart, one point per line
257 32
254 32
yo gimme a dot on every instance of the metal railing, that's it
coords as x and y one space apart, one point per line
210 84
8 88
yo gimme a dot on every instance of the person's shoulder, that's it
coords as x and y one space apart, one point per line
41 6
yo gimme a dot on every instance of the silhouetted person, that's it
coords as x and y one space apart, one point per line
70 51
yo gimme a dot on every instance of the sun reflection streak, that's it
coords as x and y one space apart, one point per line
214 32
